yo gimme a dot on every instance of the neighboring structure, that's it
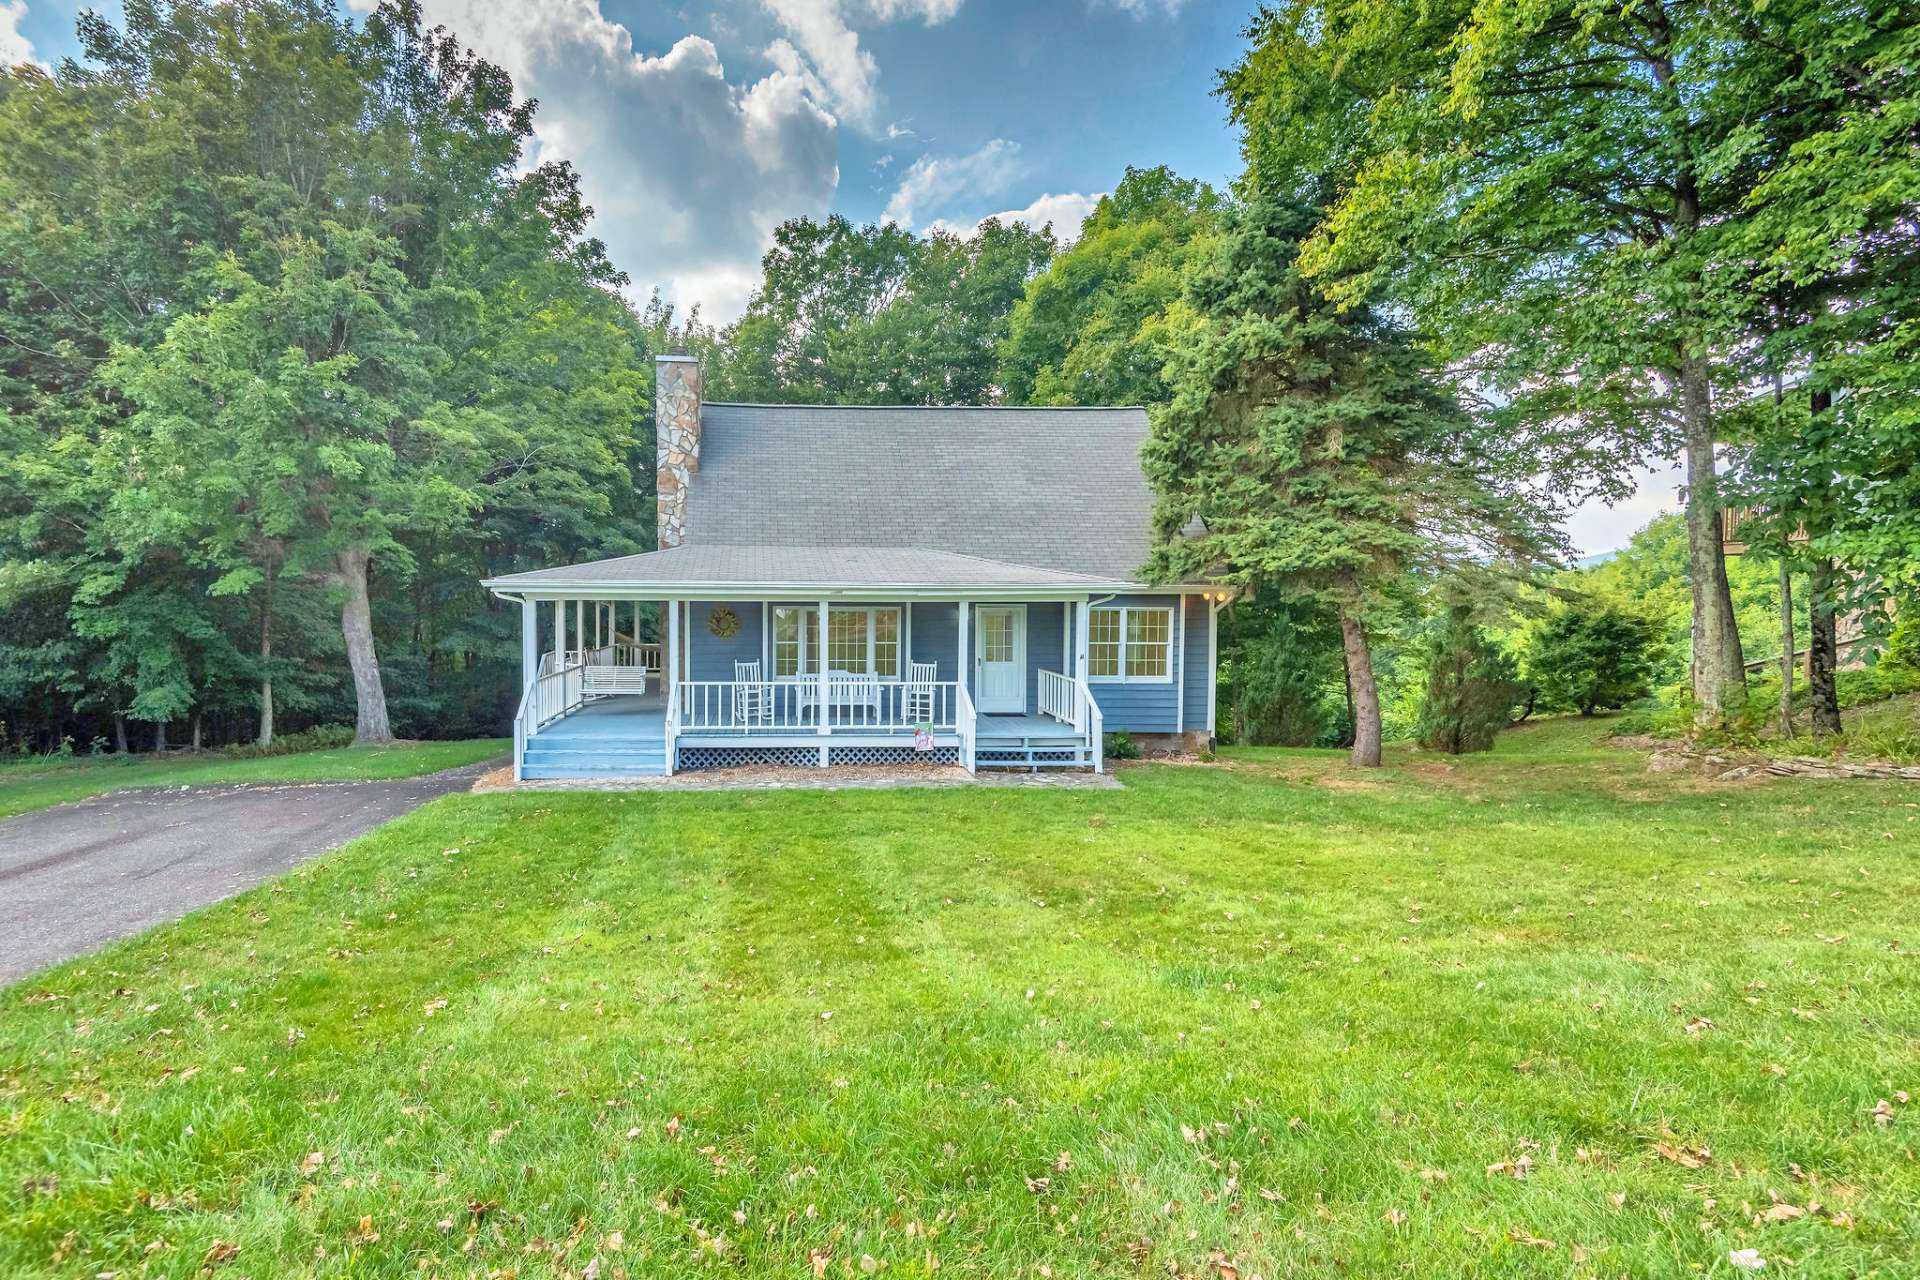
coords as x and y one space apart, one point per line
971 577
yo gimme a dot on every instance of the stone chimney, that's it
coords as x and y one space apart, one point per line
676 441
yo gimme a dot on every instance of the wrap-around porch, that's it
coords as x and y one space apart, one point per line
636 686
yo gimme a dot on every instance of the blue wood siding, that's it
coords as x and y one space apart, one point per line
1198 669
1045 626
1143 707
708 656
935 637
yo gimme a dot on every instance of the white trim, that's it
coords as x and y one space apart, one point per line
1121 676
783 591
1180 673
960 658
1213 663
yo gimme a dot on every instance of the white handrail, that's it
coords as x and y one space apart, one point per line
967 723
1059 698
672 725
1096 726
520 731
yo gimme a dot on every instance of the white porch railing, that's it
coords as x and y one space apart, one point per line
854 704
1071 702
968 721
1058 697
554 690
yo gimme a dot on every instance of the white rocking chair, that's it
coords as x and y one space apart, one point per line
918 699
752 700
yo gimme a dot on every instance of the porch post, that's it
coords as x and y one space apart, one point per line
559 634
670 651
1083 623
960 662
823 712
529 642
580 625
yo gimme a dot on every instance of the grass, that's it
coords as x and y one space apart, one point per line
1537 1013
50 780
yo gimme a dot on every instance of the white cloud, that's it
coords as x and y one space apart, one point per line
1141 8
932 182
688 174
849 73
931 12
823 34
14 47
1065 212
1594 526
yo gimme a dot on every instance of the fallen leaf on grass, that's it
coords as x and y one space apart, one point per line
365 1233
1530 1241
1515 1169
1746 1259
1396 1218
220 1251
313 1161
1686 1159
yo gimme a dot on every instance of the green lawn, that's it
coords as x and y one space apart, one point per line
38 783
1532 1014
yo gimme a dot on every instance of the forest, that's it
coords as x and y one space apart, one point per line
295 348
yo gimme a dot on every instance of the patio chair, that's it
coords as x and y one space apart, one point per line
918 699
752 700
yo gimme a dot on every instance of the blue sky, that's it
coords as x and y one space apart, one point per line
699 127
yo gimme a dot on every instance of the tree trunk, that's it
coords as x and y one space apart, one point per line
1786 648
159 735
1823 650
119 733
1718 674
356 624
1366 696
196 731
265 738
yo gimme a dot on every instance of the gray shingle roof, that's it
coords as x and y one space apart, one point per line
1056 489
801 567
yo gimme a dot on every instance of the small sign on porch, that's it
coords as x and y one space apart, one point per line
923 737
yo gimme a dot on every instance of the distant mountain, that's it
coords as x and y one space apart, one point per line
1595 561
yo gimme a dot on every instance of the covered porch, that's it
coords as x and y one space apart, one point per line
821 681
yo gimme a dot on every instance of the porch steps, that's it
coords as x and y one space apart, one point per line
559 754
1031 751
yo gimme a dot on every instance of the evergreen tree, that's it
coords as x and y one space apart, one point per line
1590 654
1309 449
1471 688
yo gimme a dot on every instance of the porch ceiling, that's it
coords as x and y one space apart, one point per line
707 571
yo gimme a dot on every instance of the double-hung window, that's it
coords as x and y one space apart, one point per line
860 640
1130 643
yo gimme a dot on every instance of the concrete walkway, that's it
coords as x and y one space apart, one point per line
78 876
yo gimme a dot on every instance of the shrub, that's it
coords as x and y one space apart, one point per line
1903 646
1591 654
1470 688
1119 745
325 737
1279 694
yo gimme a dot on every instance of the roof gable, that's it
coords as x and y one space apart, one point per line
1057 489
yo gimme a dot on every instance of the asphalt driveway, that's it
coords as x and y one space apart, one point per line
77 876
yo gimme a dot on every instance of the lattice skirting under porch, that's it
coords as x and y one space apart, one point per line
735 757
987 756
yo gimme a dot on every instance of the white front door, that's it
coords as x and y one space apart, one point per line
1000 661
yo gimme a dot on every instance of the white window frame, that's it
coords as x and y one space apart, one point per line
1121 676
810 637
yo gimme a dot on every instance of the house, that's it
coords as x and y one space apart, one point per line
868 585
